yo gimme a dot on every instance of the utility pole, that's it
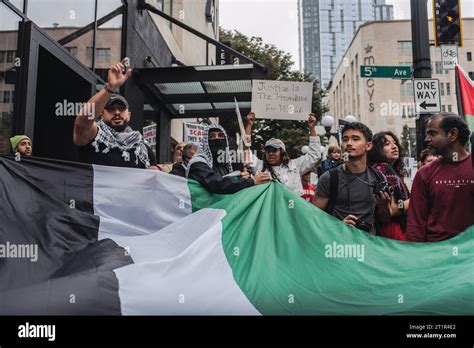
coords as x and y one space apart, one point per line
421 59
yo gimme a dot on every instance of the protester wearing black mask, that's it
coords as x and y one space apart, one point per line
212 166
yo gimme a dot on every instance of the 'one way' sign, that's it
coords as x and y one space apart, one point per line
427 98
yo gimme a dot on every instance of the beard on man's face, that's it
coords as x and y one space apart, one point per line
117 127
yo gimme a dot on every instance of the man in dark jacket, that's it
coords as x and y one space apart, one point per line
212 167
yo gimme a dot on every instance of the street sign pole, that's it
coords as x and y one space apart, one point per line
421 59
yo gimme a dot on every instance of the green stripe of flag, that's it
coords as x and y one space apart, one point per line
289 257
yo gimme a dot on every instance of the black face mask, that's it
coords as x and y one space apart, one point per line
217 148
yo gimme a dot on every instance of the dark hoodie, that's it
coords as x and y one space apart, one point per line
205 168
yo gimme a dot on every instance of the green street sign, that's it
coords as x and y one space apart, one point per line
392 72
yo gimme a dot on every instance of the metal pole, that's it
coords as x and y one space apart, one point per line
421 58
94 37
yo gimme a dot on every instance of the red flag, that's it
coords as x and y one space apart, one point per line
465 87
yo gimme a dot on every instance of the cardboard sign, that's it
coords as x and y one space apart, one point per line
193 132
282 100
149 134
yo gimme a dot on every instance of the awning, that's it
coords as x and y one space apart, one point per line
200 91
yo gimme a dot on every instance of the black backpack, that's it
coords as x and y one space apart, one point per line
334 185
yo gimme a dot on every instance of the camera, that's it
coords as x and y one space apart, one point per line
382 186
364 225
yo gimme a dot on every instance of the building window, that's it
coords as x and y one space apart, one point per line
435 50
7 56
406 89
469 56
450 108
404 48
102 55
72 51
10 56
448 88
409 89
442 88
6 97
471 75
89 53
438 68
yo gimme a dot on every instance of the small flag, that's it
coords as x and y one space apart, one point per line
465 96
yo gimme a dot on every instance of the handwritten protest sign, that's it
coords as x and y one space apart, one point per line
149 134
193 133
282 100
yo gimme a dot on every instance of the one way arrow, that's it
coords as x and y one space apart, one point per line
424 105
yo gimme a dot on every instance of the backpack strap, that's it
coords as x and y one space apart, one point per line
379 176
333 189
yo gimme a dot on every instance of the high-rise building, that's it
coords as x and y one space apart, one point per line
383 11
326 28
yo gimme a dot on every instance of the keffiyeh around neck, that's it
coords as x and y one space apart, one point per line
127 142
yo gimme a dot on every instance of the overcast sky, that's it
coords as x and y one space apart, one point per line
276 21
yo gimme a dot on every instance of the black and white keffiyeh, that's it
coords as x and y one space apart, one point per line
127 142
204 153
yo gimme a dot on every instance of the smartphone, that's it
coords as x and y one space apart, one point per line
126 63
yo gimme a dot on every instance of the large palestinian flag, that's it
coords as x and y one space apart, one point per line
119 241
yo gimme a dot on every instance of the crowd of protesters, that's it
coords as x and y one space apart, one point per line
362 183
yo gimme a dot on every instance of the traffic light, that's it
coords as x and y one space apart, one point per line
447 22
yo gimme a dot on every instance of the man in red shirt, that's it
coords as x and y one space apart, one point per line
442 198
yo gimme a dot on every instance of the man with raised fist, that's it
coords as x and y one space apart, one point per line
109 140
